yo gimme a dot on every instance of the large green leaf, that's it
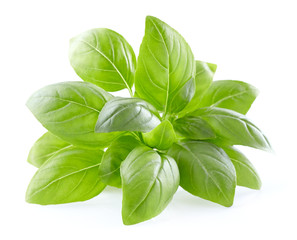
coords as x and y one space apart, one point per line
70 111
246 174
231 127
69 176
165 68
149 183
230 94
109 170
103 57
203 79
161 137
205 171
193 128
45 147
127 114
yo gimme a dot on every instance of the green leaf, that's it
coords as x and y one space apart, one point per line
70 175
230 94
45 147
70 110
109 170
103 57
205 171
246 174
232 128
149 183
193 128
165 68
161 137
203 79
127 114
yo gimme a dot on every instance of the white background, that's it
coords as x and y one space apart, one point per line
253 41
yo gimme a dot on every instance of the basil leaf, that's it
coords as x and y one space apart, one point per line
230 94
127 114
70 110
103 57
149 183
45 147
232 127
165 68
109 170
71 175
193 128
203 79
161 137
246 174
205 171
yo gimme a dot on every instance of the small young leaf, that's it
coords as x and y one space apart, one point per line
149 183
161 137
246 174
165 68
103 57
231 127
109 170
203 79
45 147
70 110
230 94
71 175
193 128
205 171
127 114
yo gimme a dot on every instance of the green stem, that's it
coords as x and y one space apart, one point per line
168 117
137 135
130 91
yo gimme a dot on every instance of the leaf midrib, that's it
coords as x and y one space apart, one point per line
214 104
150 189
246 166
168 78
64 100
112 64
205 170
62 177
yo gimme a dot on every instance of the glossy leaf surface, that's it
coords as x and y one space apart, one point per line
109 170
45 147
161 137
193 128
246 174
203 79
165 69
127 114
233 128
149 183
230 94
103 57
69 176
70 111
205 171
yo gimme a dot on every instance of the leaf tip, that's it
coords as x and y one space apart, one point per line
212 67
28 198
227 202
128 219
149 18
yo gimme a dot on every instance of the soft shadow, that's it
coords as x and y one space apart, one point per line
182 198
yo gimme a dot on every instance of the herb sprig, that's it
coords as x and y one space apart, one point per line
178 128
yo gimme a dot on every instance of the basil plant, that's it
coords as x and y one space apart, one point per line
177 128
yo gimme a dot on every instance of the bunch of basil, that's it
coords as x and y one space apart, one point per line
178 128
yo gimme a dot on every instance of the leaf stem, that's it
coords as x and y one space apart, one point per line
130 91
137 135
